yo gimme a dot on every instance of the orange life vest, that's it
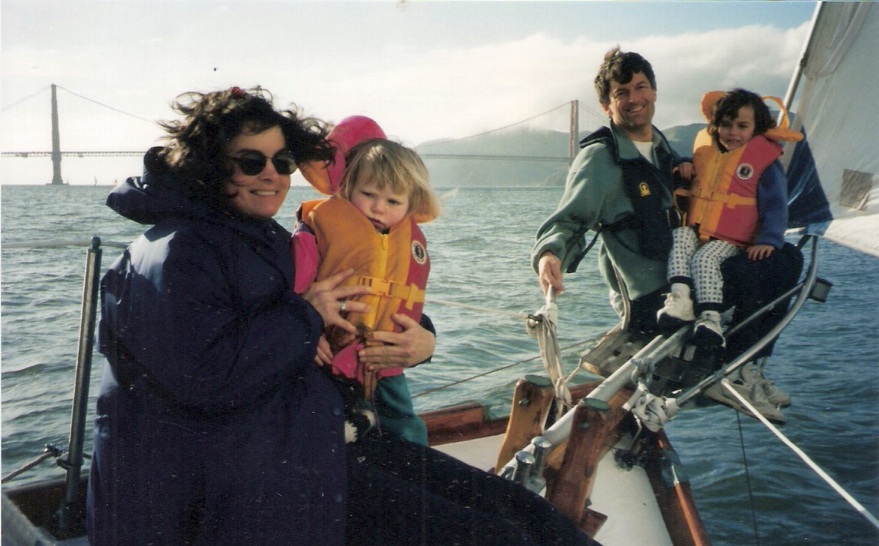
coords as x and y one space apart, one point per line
395 265
723 196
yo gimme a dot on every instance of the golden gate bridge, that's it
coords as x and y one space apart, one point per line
57 153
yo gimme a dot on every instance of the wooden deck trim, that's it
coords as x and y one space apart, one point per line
570 472
676 502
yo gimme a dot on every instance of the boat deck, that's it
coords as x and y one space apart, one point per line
616 491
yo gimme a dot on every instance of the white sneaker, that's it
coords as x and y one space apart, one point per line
708 330
677 310
752 391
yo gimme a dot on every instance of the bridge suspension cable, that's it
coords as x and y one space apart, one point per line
105 105
16 103
564 105
56 154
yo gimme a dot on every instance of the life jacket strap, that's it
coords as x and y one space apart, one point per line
409 293
731 200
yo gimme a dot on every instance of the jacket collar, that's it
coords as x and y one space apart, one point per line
626 149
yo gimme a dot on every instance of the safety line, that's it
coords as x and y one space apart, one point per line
748 478
498 369
501 312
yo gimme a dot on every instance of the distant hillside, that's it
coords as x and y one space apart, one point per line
526 142
681 137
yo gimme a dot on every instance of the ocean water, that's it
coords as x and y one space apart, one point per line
750 488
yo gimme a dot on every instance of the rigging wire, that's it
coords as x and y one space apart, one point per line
499 312
748 478
498 369
802 455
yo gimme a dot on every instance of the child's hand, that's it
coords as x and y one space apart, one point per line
685 170
324 354
758 252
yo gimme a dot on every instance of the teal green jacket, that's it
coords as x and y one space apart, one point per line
594 195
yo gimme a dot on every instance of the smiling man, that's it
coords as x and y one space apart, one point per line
620 185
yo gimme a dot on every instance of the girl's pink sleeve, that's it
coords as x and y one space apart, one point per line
305 258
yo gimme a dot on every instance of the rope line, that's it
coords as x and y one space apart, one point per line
802 455
15 473
748 478
500 312
541 325
498 369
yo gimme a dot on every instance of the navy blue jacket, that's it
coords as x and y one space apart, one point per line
213 425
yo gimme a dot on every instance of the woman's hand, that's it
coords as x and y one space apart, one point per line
329 299
405 349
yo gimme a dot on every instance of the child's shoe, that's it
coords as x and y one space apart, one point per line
678 308
708 331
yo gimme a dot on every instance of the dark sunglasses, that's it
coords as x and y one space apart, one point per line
253 163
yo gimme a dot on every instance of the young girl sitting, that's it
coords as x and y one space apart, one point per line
737 203
370 225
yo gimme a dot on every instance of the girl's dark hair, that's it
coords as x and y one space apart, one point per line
620 67
732 101
196 145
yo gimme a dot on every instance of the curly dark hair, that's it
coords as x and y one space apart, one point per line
728 108
196 145
620 66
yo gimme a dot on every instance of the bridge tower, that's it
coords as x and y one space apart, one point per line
56 143
574 139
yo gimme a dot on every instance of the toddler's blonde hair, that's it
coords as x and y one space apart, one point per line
392 165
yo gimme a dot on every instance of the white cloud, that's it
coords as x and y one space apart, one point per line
456 92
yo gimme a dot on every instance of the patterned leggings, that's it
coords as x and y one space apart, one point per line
701 263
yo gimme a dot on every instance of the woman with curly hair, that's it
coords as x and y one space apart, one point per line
214 425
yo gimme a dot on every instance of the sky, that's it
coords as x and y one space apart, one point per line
425 70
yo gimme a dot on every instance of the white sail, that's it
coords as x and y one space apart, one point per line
836 111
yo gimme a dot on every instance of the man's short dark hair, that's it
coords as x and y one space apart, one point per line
620 67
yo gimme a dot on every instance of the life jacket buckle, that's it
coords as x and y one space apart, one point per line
379 287
411 294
